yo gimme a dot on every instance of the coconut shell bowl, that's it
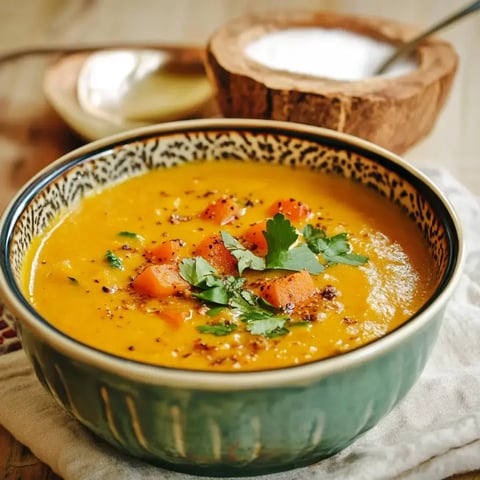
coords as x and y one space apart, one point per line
309 67
228 423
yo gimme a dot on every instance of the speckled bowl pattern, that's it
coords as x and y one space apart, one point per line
214 423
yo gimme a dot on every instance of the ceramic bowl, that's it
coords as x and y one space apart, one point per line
214 423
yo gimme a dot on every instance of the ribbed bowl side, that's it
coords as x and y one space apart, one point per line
236 432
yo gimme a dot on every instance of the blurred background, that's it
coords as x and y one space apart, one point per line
454 143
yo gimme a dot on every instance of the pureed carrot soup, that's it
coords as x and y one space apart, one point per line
230 265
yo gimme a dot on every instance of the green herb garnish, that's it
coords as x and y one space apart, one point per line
214 311
334 249
113 260
196 271
213 288
265 323
301 323
260 317
229 291
285 252
246 258
130 235
282 254
280 236
218 329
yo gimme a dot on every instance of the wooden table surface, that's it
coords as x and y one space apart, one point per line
32 134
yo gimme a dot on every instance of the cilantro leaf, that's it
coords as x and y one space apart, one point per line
214 289
299 258
334 249
280 236
218 295
300 323
247 305
212 281
351 259
113 260
218 329
260 321
130 235
337 245
196 271
278 332
268 325
253 300
246 258
316 238
260 317
216 310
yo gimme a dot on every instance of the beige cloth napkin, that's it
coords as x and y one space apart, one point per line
433 433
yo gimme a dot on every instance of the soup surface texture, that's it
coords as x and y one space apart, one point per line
173 268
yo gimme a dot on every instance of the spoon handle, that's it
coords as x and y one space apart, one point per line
411 44
183 53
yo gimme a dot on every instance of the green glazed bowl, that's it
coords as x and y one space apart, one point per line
214 423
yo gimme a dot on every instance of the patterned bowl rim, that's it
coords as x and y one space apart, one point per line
200 379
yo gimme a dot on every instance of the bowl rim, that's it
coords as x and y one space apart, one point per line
303 374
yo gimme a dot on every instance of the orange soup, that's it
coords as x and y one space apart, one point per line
230 266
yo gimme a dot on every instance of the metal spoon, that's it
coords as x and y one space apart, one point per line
411 44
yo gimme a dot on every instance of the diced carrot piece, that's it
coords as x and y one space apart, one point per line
160 281
223 210
254 238
166 252
294 210
213 250
289 290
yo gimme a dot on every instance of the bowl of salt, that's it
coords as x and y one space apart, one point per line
318 68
